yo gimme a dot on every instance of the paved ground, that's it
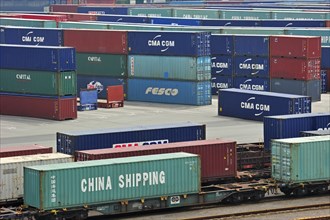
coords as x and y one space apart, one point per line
23 130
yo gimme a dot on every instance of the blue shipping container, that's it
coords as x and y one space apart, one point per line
222 65
230 22
251 66
290 126
31 36
123 19
175 21
24 5
220 82
324 81
102 10
254 105
169 91
252 83
325 57
37 58
88 96
100 83
222 44
292 23
169 43
69 142
251 45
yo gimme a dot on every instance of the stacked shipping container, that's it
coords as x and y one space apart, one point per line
38 81
295 65
325 69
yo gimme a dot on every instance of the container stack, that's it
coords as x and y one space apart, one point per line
325 69
251 62
295 64
169 67
101 58
222 69
38 81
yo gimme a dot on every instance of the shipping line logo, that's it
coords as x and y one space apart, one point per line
219 85
248 104
23 76
248 86
162 91
140 144
326 128
95 85
218 65
29 38
157 42
251 66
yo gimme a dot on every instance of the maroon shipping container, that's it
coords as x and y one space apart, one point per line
295 46
56 18
56 108
64 8
80 17
24 150
295 68
218 157
327 23
96 41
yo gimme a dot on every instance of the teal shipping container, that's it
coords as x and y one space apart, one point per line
38 82
296 15
169 67
28 22
196 13
245 15
252 30
151 12
324 33
103 181
82 25
303 159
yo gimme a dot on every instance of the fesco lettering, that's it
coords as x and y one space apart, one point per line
162 91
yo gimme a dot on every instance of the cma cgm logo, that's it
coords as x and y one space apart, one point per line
247 86
219 65
95 85
139 144
29 38
157 42
249 104
326 128
162 91
251 66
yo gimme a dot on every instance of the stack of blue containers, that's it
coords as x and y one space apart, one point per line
169 67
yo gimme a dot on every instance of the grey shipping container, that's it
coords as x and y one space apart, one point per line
113 180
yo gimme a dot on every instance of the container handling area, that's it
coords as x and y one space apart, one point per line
117 107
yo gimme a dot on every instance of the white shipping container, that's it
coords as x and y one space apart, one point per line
11 172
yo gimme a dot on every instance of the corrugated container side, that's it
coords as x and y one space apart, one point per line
222 44
325 57
175 21
48 58
38 82
298 15
196 13
324 81
230 22
151 176
31 36
82 25
222 65
169 67
295 68
252 83
168 91
12 151
27 22
99 64
12 177
245 14
252 30
115 93
295 46
303 159
251 66
150 12
289 126
254 105
324 33
81 17
88 96
123 18
57 18
86 140
292 23
100 83
63 8
218 157
96 41
220 82
169 43
49 107
310 88
251 45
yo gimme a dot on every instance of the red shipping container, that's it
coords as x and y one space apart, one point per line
218 157
295 46
295 68
115 93
327 23
24 150
96 41
56 18
64 8
56 108
80 17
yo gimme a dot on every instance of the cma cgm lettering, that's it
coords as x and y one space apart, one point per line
222 65
33 39
254 105
104 183
257 84
221 82
252 66
141 143
169 43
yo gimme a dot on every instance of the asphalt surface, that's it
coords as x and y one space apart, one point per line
18 131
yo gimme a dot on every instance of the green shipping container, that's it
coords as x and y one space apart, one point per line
211 29
252 30
196 13
119 26
38 82
296 15
98 64
169 67
152 12
27 22
247 15
104 181
324 33
303 159
82 25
